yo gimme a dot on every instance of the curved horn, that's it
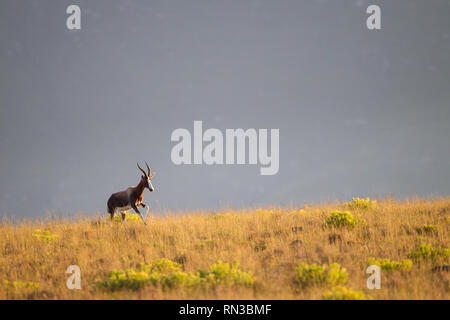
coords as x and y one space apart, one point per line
142 170
148 168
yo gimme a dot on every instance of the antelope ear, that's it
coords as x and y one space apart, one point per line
153 173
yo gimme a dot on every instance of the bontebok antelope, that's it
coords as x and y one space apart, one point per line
132 197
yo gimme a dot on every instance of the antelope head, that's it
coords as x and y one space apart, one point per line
147 177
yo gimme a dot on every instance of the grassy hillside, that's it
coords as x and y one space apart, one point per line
314 252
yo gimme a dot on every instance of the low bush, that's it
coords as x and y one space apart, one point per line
17 285
340 219
168 274
388 265
342 293
307 275
44 236
427 252
427 229
129 217
358 203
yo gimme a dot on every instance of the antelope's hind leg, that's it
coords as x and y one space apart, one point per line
124 216
111 213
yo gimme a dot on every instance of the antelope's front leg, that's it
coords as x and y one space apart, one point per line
143 205
138 212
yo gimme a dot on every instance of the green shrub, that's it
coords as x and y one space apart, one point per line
129 216
427 229
169 274
358 203
163 265
316 275
339 219
264 212
342 293
388 265
44 236
16 285
426 252
224 273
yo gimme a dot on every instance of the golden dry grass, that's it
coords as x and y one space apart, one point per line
264 241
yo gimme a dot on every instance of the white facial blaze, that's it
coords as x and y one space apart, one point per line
150 184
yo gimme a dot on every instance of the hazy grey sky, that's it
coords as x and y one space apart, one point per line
360 112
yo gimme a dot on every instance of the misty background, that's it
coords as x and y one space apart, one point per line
360 112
